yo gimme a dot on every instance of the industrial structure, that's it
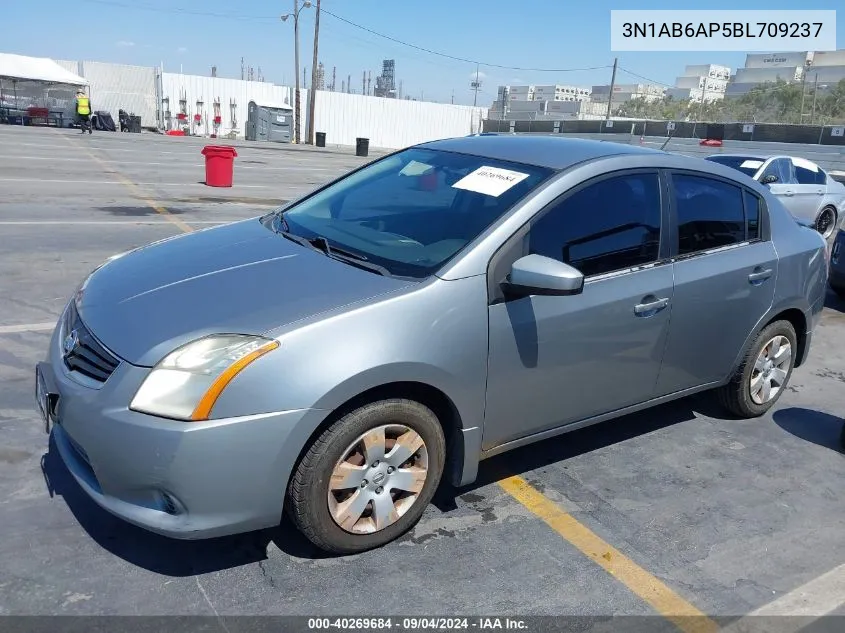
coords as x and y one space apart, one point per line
386 82
701 83
823 68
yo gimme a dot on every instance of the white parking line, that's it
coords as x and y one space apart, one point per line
814 599
27 327
117 182
107 222
172 165
299 157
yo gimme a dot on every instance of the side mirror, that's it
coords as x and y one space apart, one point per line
538 275
768 180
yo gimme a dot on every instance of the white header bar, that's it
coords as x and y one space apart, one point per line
718 30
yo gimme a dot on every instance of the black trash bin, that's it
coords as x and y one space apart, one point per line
321 139
362 146
135 124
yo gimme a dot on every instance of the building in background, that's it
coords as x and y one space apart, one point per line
514 101
825 67
699 83
622 93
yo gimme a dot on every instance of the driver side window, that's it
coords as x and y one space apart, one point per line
607 226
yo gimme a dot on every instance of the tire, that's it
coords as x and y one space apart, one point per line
313 506
736 396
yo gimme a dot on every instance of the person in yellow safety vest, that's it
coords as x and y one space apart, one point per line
83 111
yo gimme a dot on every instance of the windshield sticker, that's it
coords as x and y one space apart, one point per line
415 168
491 181
805 164
751 164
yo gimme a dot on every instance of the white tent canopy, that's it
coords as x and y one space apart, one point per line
20 68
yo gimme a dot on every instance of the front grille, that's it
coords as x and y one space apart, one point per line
88 357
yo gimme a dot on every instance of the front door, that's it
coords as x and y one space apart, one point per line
725 275
558 360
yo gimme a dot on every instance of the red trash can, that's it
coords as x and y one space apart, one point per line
219 165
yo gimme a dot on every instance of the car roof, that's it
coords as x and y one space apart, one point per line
543 151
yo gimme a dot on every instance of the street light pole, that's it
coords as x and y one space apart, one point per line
295 16
313 97
296 63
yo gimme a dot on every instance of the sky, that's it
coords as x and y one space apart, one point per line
528 38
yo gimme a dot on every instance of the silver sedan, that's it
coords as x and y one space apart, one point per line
446 303
807 190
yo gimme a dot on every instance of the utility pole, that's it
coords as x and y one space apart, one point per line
612 86
364 84
815 90
475 85
314 63
453 96
807 65
349 84
297 116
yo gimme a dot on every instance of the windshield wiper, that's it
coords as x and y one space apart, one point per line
321 244
353 259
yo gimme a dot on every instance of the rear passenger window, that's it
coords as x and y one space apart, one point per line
752 215
807 173
710 213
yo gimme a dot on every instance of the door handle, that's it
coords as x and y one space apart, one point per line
760 275
788 192
651 307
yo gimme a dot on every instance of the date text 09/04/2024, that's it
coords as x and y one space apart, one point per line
722 29
417 624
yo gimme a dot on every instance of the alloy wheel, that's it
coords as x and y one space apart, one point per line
770 370
826 222
377 479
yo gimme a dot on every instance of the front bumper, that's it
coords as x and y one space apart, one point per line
186 480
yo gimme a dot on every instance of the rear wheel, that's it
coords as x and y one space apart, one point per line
368 478
763 374
826 222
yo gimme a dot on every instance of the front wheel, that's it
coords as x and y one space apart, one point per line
763 374
368 478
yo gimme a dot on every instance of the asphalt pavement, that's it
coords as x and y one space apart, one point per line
679 507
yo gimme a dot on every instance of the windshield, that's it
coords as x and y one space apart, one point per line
411 212
747 165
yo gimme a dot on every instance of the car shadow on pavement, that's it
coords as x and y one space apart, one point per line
833 302
159 554
572 444
812 426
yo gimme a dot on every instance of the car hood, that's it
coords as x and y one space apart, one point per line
238 278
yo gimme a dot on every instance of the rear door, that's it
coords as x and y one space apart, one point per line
725 269
809 188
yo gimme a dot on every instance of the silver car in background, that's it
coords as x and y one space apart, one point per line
446 303
804 188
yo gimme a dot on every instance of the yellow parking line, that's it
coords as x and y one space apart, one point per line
135 189
666 602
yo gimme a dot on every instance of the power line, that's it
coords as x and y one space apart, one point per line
211 14
461 59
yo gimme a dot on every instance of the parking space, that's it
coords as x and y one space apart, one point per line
679 510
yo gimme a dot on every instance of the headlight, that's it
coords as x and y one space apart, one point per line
186 383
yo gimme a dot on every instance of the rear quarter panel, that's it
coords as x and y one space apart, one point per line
802 265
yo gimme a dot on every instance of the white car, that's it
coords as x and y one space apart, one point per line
807 190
